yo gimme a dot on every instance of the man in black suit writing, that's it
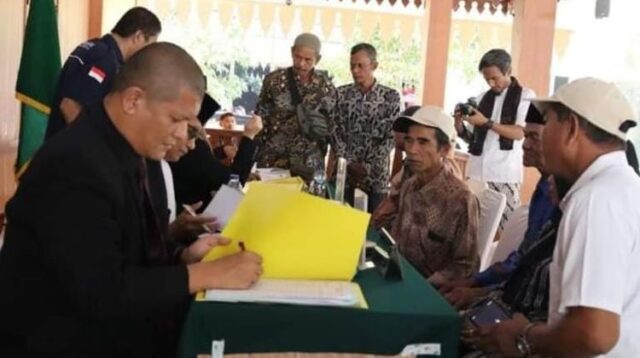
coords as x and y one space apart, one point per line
85 270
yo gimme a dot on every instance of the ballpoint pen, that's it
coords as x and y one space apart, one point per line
189 210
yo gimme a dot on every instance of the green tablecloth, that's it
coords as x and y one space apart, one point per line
400 313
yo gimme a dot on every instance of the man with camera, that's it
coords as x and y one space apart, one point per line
494 129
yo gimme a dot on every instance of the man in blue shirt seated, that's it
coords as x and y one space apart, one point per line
462 293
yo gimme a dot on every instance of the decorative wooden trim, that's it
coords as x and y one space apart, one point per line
505 6
405 3
219 136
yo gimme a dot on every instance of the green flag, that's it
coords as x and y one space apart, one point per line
39 67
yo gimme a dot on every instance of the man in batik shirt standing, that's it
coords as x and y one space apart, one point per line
281 143
363 134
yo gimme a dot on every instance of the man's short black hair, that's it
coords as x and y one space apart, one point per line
368 49
225 115
594 133
442 139
138 18
496 57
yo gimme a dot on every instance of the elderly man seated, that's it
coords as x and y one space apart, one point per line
432 214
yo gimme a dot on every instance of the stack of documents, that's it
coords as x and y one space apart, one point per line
267 174
301 292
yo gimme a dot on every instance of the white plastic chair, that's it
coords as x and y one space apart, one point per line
492 204
512 234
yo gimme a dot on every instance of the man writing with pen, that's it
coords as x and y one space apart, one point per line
188 225
85 269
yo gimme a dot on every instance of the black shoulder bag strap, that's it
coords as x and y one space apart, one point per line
296 99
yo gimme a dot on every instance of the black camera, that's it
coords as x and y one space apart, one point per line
467 108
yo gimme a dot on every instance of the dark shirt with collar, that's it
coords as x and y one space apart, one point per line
199 172
527 289
541 211
75 272
86 77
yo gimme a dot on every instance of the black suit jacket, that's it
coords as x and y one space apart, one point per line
74 276
199 172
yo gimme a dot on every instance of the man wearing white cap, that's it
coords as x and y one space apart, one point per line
594 302
435 215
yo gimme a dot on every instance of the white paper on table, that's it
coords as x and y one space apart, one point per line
224 204
301 292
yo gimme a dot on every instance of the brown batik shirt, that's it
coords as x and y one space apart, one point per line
280 143
363 131
435 223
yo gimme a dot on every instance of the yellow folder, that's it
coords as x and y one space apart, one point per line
299 236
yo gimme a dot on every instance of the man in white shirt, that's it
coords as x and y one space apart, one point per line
594 303
496 129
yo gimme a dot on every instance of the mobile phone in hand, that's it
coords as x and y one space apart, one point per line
487 313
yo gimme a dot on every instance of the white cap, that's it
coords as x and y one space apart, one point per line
599 102
309 40
430 116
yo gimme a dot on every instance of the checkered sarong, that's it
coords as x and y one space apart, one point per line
512 192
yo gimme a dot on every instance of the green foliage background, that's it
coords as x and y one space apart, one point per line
398 58
226 66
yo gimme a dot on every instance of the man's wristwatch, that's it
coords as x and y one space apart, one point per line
488 125
523 346
522 342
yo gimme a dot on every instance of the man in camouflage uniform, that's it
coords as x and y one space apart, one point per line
281 143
